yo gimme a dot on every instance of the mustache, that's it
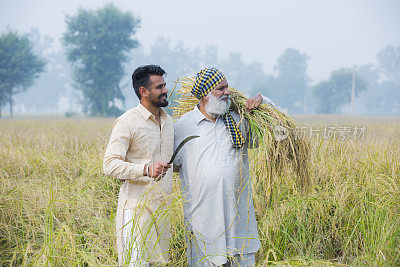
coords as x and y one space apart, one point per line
224 98
162 95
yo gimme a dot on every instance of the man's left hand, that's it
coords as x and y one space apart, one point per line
253 102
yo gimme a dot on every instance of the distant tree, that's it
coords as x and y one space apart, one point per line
389 62
179 60
246 77
97 43
19 66
369 100
52 91
176 59
288 88
383 83
375 99
332 94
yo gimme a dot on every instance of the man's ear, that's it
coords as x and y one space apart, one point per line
143 91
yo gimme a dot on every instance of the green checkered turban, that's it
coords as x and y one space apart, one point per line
206 80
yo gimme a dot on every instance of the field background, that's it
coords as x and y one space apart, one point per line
57 207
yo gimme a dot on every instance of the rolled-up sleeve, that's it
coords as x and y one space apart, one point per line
114 163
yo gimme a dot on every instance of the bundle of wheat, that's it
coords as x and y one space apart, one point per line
279 148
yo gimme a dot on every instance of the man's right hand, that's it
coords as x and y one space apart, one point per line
157 170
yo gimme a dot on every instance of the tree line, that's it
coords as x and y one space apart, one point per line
101 48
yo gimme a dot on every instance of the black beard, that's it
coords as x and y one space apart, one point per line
160 104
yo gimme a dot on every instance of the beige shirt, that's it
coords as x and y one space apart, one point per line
137 139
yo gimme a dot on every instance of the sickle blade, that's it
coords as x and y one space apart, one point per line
187 139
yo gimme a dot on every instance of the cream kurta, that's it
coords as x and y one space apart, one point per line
137 140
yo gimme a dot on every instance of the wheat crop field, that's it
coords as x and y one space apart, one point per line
57 208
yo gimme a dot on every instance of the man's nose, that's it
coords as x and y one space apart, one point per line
165 90
227 91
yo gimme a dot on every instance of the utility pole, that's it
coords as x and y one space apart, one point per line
353 91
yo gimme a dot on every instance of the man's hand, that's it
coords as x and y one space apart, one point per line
157 170
253 102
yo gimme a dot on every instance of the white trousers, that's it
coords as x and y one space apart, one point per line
130 239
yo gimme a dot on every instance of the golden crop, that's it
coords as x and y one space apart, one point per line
57 207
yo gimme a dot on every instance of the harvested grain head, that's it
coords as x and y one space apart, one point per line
277 151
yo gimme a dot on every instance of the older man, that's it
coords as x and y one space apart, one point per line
141 143
214 172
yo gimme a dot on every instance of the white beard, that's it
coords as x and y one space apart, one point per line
217 106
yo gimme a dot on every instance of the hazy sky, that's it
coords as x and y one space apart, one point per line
335 33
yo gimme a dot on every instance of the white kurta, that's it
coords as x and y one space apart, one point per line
137 140
218 205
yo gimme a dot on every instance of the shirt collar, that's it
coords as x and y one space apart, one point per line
198 116
146 113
